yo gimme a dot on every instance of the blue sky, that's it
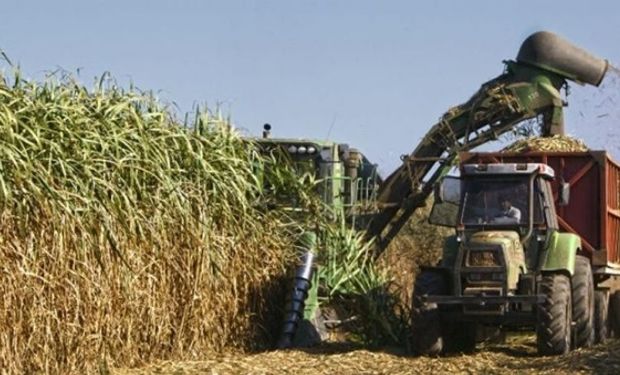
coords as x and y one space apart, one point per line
374 74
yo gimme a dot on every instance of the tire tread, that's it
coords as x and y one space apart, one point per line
553 331
427 336
583 303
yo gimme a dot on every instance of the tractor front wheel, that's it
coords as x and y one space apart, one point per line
427 338
461 338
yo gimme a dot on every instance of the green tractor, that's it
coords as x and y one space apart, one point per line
508 264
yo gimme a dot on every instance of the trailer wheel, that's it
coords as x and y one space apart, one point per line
553 327
583 303
614 313
427 338
601 316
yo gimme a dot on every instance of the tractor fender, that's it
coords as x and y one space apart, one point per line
561 252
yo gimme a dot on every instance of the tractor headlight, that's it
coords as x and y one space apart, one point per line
292 149
302 150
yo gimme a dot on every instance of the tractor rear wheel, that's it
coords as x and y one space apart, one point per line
601 316
426 330
553 327
583 303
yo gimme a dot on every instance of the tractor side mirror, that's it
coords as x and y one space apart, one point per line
448 189
564 197
447 196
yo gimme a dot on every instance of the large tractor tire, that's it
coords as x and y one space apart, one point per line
461 337
602 330
583 303
426 330
553 328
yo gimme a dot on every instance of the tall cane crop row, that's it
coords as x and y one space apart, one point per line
127 237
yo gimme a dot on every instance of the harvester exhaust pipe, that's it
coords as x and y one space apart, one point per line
266 131
294 311
352 164
550 52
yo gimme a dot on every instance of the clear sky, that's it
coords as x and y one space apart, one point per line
374 74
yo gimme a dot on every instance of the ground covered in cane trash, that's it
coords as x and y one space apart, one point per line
517 354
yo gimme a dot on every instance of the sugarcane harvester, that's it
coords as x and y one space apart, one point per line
529 88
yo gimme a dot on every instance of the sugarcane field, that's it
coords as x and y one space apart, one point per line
309 188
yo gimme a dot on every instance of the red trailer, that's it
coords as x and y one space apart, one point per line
593 211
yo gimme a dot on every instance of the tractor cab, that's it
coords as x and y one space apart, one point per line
487 197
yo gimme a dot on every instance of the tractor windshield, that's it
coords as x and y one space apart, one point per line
493 201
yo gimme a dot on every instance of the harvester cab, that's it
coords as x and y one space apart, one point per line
344 178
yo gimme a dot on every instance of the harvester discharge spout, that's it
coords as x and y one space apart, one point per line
555 56
548 51
529 88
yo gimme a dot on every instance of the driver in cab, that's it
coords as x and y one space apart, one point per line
508 213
